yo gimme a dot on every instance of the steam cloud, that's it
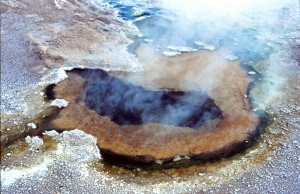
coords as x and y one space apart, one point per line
250 29
127 104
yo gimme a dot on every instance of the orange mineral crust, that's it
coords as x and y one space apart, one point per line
216 92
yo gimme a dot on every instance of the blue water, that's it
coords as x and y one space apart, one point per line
165 28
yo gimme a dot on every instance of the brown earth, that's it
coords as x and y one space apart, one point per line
145 144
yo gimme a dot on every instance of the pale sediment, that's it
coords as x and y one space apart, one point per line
250 173
40 39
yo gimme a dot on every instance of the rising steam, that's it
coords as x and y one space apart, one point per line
127 104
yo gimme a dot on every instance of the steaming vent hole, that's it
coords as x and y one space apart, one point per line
128 104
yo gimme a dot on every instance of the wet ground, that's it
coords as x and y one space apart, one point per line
70 162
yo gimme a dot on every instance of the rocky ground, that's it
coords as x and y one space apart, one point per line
41 39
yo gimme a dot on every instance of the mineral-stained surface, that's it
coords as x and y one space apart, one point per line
103 105
41 38
36 45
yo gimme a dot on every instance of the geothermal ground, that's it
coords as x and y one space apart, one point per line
60 135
